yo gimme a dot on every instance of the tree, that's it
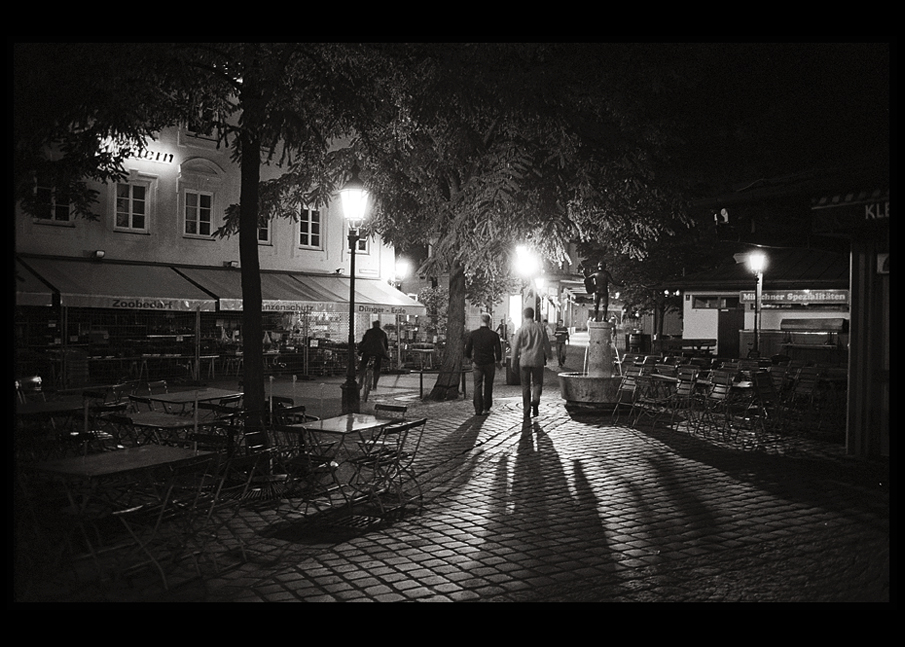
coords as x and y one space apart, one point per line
293 101
80 112
505 145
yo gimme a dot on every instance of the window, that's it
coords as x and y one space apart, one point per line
198 213
364 243
264 232
715 302
199 205
132 206
310 229
51 204
201 125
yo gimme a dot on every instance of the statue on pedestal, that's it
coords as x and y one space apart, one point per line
598 284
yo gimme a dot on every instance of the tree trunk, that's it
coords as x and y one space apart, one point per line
447 386
252 331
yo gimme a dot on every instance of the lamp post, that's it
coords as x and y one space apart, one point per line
756 263
354 200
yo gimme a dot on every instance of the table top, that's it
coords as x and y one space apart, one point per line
348 423
48 408
122 461
160 420
201 395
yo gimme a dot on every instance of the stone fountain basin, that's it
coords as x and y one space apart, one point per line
583 390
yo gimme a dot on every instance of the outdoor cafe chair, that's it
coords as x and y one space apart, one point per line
48 545
307 469
627 390
284 411
684 398
160 528
382 410
714 413
627 360
383 471
29 389
651 393
759 416
803 400
228 486
779 375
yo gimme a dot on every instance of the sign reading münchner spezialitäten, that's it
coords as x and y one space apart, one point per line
796 296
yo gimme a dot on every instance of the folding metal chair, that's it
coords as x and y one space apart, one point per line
383 472
627 391
227 488
684 398
715 404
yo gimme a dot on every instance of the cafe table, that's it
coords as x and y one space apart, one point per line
207 394
192 396
48 409
341 439
100 485
160 426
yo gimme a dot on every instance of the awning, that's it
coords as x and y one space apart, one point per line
280 292
107 284
30 290
299 292
371 296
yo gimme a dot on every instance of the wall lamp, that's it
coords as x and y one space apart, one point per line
98 254
231 264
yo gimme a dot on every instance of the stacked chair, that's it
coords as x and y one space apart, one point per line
684 399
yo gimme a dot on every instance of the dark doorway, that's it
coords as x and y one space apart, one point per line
729 323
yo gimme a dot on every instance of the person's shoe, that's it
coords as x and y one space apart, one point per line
534 410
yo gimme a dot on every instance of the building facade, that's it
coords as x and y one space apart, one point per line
151 281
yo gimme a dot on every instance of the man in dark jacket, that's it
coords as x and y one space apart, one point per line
484 350
374 344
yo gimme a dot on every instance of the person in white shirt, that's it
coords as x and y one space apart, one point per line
531 349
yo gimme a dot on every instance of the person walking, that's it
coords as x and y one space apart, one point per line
531 349
485 351
374 343
562 338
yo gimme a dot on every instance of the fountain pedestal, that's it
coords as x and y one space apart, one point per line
597 388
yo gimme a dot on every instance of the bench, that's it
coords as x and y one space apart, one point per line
676 345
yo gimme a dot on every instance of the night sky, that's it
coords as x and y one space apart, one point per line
773 109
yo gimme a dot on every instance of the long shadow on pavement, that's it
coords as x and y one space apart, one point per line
551 540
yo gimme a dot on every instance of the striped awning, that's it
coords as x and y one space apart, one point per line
300 292
125 286
30 290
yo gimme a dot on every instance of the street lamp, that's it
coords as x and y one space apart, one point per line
757 261
527 265
354 199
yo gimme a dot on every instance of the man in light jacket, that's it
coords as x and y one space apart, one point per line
531 349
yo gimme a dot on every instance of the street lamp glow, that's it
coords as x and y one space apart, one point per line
757 261
403 269
354 200
526 262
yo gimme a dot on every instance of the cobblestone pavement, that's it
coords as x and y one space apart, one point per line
571 509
